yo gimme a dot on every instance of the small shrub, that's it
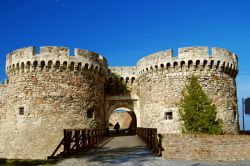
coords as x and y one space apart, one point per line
117 86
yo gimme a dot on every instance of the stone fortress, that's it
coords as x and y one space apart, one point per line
50 91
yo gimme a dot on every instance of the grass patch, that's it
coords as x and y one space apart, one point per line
26 162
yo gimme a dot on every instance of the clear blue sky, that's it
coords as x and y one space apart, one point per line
126 30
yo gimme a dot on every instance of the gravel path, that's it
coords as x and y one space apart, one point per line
130 151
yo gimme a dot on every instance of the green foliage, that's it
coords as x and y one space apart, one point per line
117 86
27 162
197 111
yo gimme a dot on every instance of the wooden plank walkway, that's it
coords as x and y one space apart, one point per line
117 150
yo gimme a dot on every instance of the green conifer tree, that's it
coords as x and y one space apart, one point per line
197 111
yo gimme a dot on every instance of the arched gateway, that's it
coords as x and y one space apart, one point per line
126 103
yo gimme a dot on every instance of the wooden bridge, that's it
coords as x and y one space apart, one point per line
81 140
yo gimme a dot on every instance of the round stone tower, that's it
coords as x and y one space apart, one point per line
49 92
162 77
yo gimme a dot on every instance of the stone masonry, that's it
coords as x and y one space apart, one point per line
50 91
206 147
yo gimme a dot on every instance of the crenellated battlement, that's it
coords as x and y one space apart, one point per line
54 59
190 59
127 73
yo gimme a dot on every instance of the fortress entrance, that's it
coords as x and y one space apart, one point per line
126 119
122 109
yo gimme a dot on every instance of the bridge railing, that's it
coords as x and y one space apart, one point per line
149 136
76 140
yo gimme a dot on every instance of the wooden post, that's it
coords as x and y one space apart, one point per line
77 134
154 141
67 141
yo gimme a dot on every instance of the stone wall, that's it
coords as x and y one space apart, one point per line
55 94
162 80
206 147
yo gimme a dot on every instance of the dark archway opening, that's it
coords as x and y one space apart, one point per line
127 120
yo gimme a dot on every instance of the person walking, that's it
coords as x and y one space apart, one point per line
117 127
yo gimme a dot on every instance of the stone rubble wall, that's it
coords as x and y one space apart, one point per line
162 80
54 96
3 100
206 147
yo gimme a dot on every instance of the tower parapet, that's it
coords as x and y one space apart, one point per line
190 59
53 59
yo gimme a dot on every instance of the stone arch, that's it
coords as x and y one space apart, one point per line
223 66
175 66
227 68
79 66
28 66
71 66
127 79
204 64
127 119
35 64
50 63
22 67
151 68
86 66
168 66
190 64
182 65
57 65
230 69
197 64
42 65
65 65
17 67
96 69
127 105
132 79
218 65
211 64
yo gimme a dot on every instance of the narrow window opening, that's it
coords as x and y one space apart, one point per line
21 110
90 113
168 115
235 115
